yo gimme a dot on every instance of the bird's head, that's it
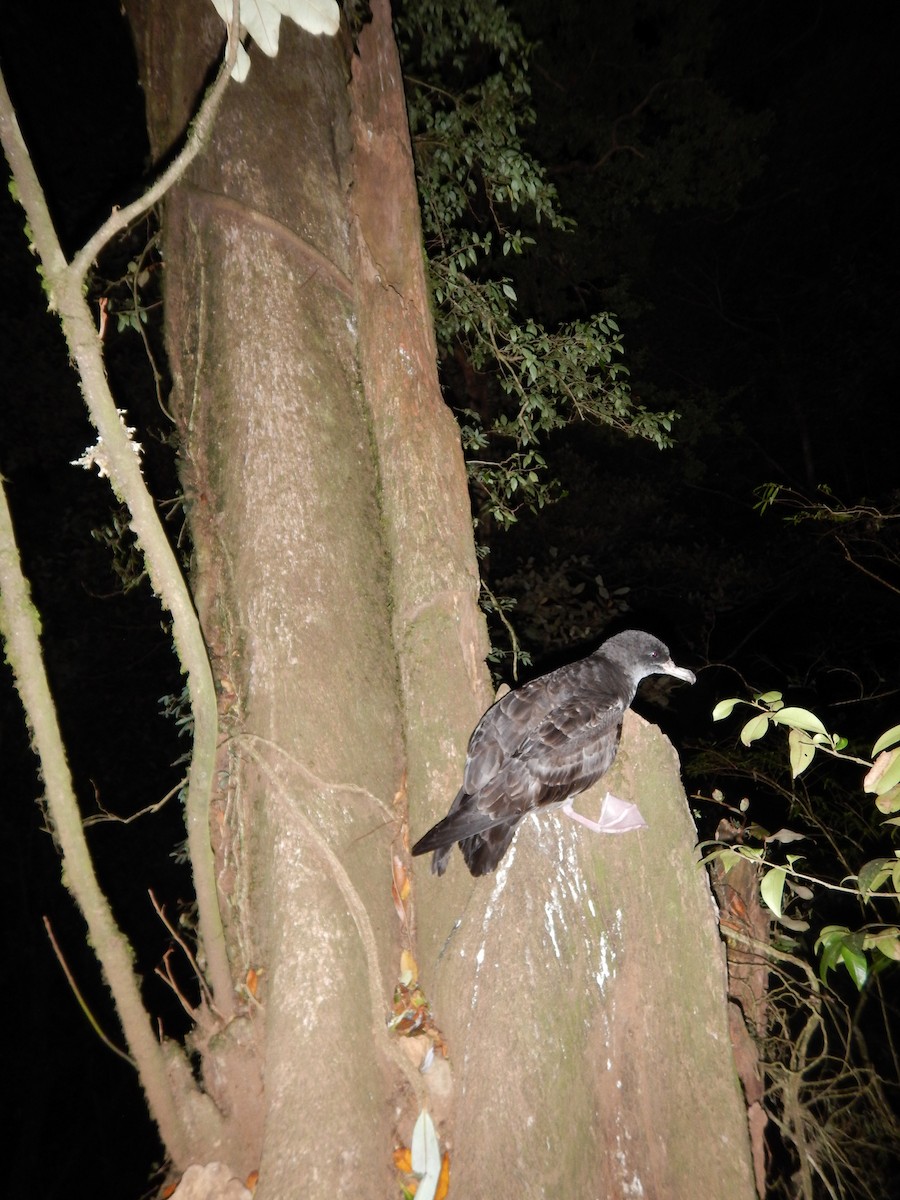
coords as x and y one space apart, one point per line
641 654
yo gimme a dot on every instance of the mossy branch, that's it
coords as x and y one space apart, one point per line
64 284
20 626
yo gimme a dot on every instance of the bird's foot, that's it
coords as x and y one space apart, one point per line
616 816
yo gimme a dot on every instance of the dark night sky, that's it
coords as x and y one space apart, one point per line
804 344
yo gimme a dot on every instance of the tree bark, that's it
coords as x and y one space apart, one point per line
581 989
333 567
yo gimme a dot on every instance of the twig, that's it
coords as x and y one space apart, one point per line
82 1003
187 954
197 137
168 978
106 815
509 629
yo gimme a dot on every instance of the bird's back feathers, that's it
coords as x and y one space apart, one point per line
541 745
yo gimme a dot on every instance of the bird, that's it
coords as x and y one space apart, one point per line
540 746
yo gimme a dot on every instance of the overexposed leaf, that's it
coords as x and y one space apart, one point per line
886 740
800 718
241 68
884 773
315 16
426 1156
261 19
772 888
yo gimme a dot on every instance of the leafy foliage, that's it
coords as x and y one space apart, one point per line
874 947
482 196
824 1088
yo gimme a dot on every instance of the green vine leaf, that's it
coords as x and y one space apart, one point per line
772 888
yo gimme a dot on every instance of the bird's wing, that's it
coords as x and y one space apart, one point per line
562 756
573 746
559 717
535 747
465 819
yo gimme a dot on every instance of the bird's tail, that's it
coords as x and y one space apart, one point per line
461 824
484 851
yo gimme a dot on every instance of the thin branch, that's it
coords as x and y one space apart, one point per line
169 979
509 629
82 1003
198 135
186 950
865 570
106 815
360 916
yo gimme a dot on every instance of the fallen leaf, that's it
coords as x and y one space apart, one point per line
403 1159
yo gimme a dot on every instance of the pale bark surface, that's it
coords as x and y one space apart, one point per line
582 996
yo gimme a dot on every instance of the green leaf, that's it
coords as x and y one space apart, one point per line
729 858
770 698
509 291
873 874
802 751
887 774
886 740
772 888
854 960
800 718
755 728
830 941
885 941
725 708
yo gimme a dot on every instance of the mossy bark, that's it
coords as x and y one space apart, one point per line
580 989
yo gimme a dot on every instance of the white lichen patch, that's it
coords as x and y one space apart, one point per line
97 455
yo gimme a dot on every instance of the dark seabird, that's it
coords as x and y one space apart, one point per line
542 745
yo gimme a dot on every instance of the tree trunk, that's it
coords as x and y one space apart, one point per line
592 1053
582 993
334 568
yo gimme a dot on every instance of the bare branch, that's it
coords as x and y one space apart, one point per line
82 1003
198 135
